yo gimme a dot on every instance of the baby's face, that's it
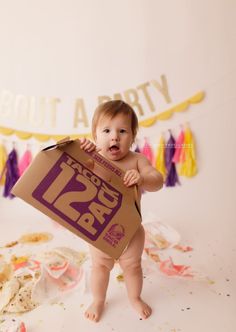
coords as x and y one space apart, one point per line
114 136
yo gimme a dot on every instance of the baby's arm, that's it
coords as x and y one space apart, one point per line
152 180
146 176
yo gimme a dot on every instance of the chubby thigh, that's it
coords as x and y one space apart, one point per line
131 255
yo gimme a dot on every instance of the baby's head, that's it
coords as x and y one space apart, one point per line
112 108
114 127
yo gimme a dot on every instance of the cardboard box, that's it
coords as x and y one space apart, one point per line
85 193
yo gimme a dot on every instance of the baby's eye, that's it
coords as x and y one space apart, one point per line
122 131
106 130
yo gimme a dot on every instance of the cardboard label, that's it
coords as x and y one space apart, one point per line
78 196
60 184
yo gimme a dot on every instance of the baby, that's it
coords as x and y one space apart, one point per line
114 127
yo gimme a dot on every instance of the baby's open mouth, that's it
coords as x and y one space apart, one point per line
114 148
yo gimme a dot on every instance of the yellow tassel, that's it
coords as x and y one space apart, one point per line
3 159
189 165
160 159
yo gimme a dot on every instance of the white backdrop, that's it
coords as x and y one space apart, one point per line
77 49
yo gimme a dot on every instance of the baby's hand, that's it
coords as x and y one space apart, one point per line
132 177
87 145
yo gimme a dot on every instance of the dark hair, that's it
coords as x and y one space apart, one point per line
111 109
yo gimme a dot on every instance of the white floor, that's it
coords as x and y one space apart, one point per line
179 305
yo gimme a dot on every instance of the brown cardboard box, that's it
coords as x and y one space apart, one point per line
98 208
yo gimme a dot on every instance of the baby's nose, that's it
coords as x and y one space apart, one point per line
115 137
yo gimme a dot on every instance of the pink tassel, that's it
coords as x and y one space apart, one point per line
147 151
25 161
178 148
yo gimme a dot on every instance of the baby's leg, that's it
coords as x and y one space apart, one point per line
130 262
101 267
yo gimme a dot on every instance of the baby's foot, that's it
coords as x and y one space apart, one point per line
94 311
142 308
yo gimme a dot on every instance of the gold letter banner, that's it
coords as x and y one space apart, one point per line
183 106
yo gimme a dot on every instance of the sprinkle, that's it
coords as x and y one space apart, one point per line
11 244
120 277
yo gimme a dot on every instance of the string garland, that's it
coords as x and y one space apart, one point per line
173 158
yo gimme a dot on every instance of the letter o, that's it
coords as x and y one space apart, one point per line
95 180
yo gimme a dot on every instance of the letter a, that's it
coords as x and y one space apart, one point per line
98 211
